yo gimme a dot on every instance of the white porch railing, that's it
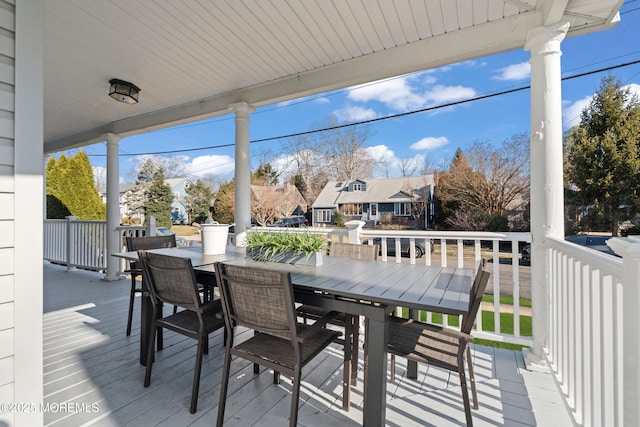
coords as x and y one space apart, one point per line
585 345
81 244
460 249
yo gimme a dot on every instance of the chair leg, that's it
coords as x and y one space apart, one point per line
472 378
347 364
196 375
276 377
150 348
392 369
293 417
160 339
224 385
465 394
355 351
132 296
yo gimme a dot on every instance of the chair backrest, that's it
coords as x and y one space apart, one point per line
148 242
353 251
258 299
170 280
475 297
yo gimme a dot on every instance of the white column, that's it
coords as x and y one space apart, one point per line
629 249
242 171
547 197
114 243
21 248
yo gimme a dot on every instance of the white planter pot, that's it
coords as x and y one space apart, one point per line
214 238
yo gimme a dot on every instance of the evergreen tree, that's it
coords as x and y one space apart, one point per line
224 207
265 175
158 200
197 201
71 189
603 153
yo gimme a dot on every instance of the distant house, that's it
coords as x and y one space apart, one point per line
392 200
178 209
274 201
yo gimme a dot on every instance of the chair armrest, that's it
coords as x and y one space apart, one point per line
432 329
316 326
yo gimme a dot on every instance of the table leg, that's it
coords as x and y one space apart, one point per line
146 312
375 382
412 365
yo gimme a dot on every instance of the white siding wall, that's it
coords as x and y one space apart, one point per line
7 212
21 207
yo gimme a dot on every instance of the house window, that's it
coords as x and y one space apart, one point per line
351 209
357 186
402 209
323 215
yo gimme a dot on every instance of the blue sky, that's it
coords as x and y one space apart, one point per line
434 135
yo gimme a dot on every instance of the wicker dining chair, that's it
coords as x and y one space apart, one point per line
262 300
172 280
439 345
135 270
350 323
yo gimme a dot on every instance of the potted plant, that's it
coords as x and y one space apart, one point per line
288 247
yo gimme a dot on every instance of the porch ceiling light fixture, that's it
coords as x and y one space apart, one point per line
123 91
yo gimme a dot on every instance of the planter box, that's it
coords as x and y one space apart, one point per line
288 257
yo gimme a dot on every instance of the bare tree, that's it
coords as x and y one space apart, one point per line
409 166
263 204
173 167
343 151
484 184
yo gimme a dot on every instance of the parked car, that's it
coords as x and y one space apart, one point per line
599 243
164 231
526 255
404 246
290 221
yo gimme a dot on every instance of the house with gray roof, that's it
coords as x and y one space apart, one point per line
387 200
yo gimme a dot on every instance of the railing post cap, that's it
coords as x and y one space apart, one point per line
354 224
625 246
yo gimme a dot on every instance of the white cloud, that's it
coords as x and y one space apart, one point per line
354 114
408 92
389 164
519 71
443 94
207 165
396 93
381 153
571 113
429 143
634 88
285 165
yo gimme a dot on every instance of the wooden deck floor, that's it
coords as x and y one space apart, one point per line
92 376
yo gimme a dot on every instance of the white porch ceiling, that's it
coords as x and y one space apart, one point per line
193 58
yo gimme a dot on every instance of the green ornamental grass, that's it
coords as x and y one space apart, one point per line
271 244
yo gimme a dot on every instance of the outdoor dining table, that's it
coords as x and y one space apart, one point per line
372 289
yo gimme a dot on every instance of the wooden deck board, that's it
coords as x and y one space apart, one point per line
88 359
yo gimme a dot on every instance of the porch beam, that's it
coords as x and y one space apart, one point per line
547 197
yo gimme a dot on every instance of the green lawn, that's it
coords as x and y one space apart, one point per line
506 322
